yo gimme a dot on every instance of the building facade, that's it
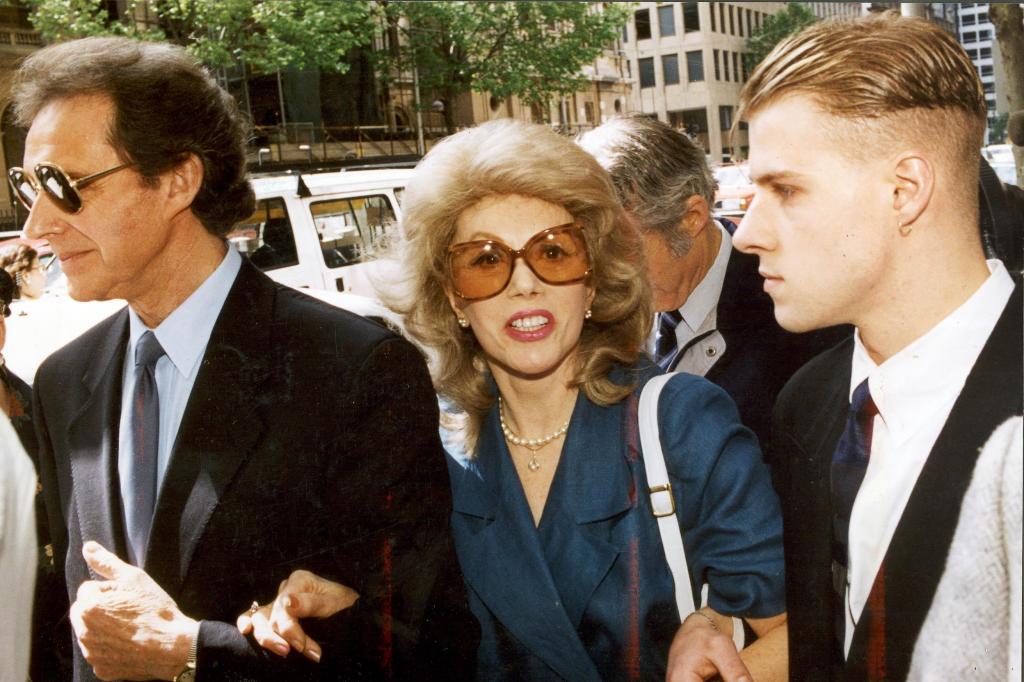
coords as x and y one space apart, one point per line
686 64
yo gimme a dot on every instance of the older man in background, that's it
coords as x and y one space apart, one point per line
715 320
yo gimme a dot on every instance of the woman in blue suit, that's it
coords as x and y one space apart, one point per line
523 282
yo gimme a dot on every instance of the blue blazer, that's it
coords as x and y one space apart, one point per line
587 594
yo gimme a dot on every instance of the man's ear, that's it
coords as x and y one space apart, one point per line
914 184
696 215
183 183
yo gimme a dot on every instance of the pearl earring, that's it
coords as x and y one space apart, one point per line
587 315
463 322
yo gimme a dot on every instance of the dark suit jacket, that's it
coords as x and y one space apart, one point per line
760 356
309 441
809 420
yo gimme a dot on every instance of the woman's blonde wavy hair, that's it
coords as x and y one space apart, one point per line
501 158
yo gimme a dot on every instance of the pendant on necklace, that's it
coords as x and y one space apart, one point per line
534 464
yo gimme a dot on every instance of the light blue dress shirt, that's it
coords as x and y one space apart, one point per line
183 336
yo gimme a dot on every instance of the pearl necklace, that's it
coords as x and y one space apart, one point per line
531 444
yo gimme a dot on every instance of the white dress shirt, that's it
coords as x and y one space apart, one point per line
183 335
914 391
18 552
697 335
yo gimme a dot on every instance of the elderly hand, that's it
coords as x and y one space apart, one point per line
302 595
126 625
701 652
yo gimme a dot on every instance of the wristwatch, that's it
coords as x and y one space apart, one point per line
189 673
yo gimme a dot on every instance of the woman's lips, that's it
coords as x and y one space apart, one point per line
530 325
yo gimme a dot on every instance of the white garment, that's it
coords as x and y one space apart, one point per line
18 554
973 628
914 391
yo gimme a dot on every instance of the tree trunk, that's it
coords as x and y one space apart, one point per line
1008 20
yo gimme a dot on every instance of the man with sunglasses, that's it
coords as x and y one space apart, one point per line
222 429
714 320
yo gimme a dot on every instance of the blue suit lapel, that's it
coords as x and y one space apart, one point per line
593 487
502 560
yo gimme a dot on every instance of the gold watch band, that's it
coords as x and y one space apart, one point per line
189 672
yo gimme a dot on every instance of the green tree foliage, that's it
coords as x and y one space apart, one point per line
267 35
533 50
776 28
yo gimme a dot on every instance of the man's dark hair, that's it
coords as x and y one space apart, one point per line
166 106
6 288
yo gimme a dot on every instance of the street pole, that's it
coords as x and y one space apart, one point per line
280 99
420 146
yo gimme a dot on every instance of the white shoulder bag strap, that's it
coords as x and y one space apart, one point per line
663 504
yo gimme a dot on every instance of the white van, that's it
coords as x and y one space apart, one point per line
320 230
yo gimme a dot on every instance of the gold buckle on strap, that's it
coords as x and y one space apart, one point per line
662 505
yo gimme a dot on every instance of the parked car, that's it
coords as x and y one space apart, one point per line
321 230
1000 157
735 191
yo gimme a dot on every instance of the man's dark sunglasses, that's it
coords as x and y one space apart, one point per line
51 178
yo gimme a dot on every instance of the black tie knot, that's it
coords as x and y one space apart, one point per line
148 351
665 343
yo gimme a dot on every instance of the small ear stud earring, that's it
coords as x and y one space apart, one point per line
463 322
587 315
904 229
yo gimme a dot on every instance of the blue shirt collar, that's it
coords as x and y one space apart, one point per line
186 331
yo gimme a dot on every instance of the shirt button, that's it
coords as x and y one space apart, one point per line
711 351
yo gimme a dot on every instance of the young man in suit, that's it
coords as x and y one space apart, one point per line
714 319
222 429
864 139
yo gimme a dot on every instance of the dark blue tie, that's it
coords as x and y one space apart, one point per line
145 416
665 344
849 462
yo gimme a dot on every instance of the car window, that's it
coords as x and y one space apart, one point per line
265 237
399 193
349 229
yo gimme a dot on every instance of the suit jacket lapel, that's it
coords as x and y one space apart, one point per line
593 486
92 438
502 560
219 429
991 394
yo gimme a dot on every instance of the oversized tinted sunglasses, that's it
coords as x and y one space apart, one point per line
51 178
481 269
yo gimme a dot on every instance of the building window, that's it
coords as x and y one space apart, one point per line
736 65
666 21
647 72
711 11
691 17
721 16
642 19
625 33
750 24
973 54
695 66
989 87
718 70
670 68
986 70
967 20
739 20
732 20
725 64
986 53
970 37
725 118
985 35
982 17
